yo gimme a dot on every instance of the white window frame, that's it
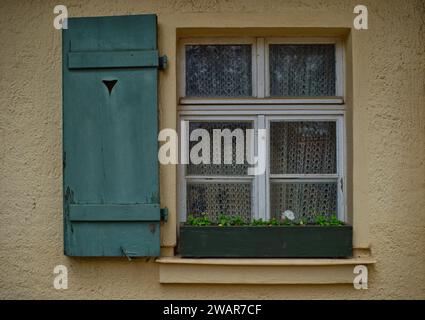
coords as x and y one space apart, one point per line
183 178
262 110
338 177
260 72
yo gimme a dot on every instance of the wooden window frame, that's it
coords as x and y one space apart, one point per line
183 178
338 177
260 71
262 110
261 184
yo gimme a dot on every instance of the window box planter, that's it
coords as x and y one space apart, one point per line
308 241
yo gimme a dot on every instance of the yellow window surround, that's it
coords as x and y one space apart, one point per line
260 271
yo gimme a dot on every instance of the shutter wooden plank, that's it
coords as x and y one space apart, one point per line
114 239
113 59
114 212
133 32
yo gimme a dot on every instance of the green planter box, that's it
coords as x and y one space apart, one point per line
308 241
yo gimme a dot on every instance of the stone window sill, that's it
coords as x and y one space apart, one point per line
259 271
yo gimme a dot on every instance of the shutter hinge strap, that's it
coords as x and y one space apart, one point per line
162 62
164 214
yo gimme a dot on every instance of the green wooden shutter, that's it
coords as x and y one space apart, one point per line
110 124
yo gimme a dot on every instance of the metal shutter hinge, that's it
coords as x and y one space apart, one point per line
162 62
164 214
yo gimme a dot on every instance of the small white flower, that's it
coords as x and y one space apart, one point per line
288 214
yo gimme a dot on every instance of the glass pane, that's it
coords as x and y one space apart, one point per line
304 147
214 199
218 71
302 70
211 169
305 199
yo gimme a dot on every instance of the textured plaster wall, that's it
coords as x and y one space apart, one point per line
386 135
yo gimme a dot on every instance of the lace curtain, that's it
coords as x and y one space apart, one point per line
306 200
219 169
303 147
218 71
302 70
212 198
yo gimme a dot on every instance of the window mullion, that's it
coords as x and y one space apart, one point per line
264 192
182 183
260 180
260 83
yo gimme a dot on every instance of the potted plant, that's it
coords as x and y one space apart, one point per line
230 236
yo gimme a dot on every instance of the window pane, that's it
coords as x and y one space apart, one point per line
305 199
214 199
220 169
302 70
304 147
218 71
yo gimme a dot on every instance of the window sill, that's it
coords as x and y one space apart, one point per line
259 271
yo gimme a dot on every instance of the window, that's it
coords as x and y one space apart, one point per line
219 188
290 87
305 168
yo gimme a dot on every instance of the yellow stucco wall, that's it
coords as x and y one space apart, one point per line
386 94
